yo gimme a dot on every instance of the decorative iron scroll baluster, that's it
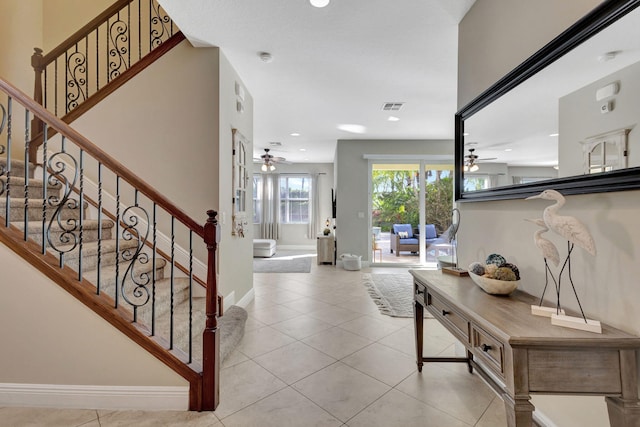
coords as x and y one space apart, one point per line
3 168
116 293
99 262
81 215
77 77
154 249
45 141
173 265
7 193
67 238
159 21
27 137
190 296
118 33
139 295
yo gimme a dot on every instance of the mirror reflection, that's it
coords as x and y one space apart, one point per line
577 116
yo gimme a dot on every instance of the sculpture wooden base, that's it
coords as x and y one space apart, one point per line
456 271
538 310
576 323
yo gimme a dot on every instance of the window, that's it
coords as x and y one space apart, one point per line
257 198
476 182
294 199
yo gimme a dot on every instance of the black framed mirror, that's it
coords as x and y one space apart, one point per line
547 123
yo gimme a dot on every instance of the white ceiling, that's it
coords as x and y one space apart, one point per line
335 65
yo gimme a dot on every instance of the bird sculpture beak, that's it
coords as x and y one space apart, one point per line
539 196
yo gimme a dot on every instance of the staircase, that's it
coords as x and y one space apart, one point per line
92 225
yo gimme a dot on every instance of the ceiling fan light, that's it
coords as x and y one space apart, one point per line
264 167
272 168
473 168
465 168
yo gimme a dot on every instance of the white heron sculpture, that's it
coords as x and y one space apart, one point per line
571 229
549 253
566 226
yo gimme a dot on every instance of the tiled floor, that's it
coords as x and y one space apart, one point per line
318 353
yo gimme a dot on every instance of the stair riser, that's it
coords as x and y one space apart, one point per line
163 305
34 213
90 235
17 167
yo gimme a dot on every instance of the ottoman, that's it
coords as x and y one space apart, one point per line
264 248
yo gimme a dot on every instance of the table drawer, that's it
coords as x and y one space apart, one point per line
449 317
419 293
488 349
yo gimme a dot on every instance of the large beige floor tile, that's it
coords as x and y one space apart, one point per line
273 314
341 390
456 392
494 416
262 340
369 327
397 409
45 417
337 342
404 340
244 384
158 418
382 363
301 327
294 361
334 315
286 408
305 305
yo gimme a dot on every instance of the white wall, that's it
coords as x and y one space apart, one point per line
496 36
352 193
297 235
580 118
48 337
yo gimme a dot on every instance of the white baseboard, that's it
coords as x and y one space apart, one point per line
229 299
95 397
246 299
297 247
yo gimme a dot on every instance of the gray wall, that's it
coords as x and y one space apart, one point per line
580 118
504 31
352 174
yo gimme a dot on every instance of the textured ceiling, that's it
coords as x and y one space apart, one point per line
335 65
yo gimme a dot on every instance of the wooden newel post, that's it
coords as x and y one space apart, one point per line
37 126
210 337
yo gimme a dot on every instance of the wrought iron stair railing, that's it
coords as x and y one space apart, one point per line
95 227
99 58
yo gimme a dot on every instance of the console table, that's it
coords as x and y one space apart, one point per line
519 354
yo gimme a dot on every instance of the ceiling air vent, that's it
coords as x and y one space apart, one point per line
275 144
392 106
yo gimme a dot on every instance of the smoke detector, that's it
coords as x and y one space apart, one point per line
265 57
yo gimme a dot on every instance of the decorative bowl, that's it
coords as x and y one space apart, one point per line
493 286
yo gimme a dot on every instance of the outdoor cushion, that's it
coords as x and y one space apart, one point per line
430 231
403 227
411 241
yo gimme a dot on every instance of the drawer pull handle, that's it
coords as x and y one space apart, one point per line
419 292
445 312
485 347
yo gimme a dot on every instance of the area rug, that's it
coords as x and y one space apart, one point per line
300 263
393 293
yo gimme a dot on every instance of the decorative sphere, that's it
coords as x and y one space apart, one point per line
476 268
496 259
504 273
490 270
513 268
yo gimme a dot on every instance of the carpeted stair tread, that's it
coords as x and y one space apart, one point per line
16 187
181 326
89 233
108 275
90 253
34 211
163 298
17 167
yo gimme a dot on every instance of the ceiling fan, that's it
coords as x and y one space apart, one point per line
269 160
471 161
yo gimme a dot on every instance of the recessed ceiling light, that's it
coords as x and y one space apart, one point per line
319 3
508 149
553 134
303 149
295 134
352 128
465 134
393 119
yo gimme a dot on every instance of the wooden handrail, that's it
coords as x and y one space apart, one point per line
82 32
101 156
